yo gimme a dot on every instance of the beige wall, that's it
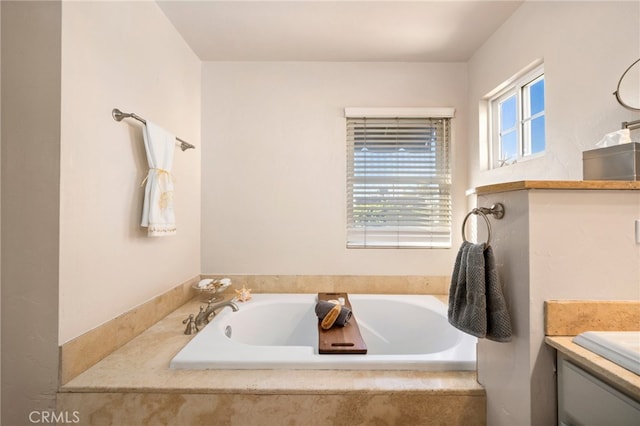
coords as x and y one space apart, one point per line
0 217
125 55
274 164
569 246
552 245
583 61
73 255
30 206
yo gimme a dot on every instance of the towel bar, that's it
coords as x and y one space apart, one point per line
119 115
496 210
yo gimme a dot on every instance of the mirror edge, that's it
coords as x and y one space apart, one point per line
617 92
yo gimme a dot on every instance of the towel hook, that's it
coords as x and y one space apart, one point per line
496 210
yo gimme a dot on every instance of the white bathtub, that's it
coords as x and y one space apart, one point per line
279 331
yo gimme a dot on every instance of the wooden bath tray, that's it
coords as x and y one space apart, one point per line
340 340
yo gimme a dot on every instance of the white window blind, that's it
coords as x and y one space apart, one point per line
398 182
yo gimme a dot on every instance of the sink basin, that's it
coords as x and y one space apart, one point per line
620 347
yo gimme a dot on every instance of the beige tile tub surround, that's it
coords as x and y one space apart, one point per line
134 385
399 408
79 354
84 351
572 317
363 284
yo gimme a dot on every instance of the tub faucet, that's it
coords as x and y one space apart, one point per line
203 316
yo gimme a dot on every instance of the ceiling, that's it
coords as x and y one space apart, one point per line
335 31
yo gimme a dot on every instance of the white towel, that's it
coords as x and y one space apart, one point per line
157 211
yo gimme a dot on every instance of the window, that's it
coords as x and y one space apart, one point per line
518 120
399 182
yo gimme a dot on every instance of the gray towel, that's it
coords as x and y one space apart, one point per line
498 319
476 303
323 307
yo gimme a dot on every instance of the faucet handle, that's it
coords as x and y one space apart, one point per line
192 327
203 315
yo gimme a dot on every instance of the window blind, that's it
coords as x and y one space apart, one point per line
398 182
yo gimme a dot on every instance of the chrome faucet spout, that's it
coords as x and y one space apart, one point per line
228 303
205 314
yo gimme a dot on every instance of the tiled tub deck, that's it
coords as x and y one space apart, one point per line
134 385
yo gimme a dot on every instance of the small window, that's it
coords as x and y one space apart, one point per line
517 120
398 182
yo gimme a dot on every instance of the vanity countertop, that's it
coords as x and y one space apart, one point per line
621 378
565 319
557 184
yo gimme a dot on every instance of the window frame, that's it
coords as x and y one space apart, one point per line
357 236
518 87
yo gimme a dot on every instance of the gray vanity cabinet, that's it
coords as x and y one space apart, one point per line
585 400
